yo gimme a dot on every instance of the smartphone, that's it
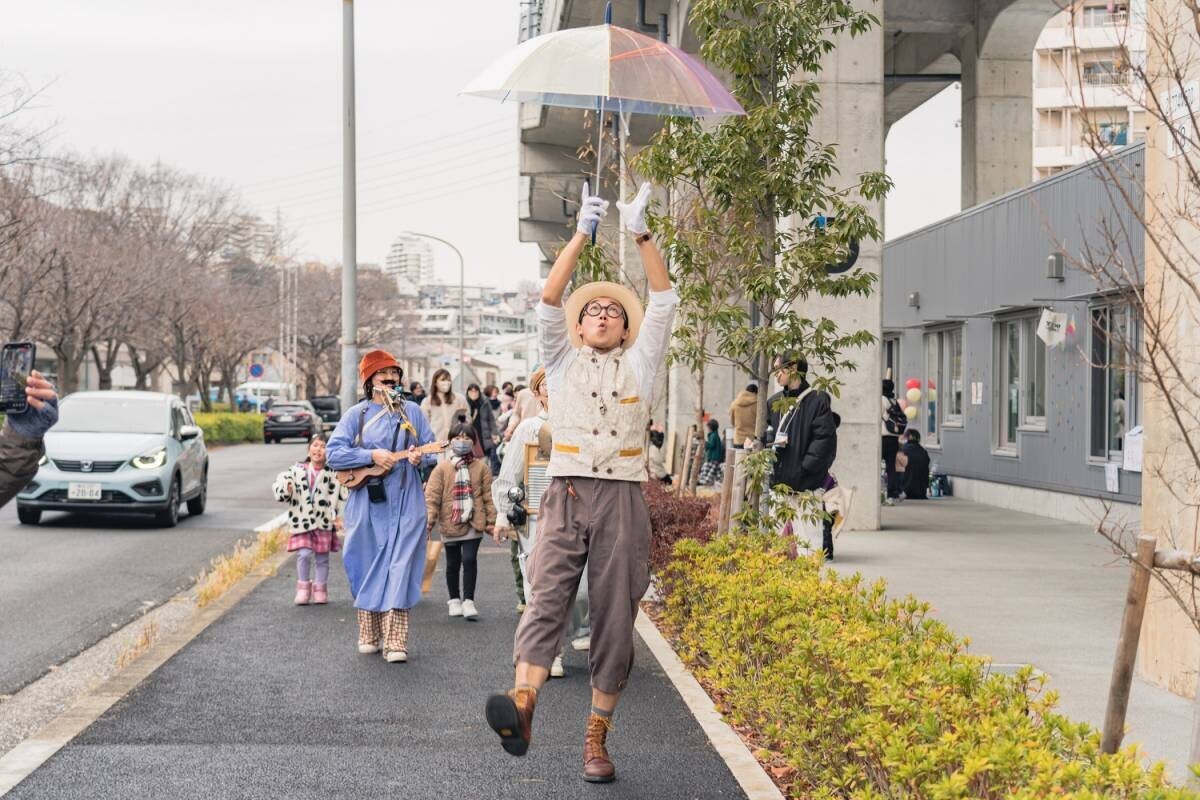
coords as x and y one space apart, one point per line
16 363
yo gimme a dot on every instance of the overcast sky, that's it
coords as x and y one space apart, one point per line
249 92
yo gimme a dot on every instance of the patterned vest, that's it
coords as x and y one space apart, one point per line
599 420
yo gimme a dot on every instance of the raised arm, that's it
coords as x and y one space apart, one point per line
633 216
591 211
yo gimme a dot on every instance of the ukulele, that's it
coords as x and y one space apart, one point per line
354 478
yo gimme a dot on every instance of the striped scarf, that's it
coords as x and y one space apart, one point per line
462 502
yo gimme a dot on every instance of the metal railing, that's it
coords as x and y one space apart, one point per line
1105 79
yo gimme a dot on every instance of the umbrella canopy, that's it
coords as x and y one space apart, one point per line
608 68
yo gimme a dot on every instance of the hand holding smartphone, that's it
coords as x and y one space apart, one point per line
16 378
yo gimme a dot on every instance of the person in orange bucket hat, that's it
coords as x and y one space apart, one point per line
384 552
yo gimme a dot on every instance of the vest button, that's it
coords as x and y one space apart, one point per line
614 394
609 470
595 432
614 433
594 361
594 394
595 469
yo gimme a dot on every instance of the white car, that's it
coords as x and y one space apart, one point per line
120 452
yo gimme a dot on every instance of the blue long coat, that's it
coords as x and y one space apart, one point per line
384 551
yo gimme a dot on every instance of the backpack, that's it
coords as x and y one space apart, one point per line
895 421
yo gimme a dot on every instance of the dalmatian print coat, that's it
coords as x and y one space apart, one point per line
310 511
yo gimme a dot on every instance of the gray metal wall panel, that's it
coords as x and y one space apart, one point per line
996 255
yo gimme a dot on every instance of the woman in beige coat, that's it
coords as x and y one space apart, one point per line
442 407
458 499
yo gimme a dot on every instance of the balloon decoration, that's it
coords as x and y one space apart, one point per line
932 385
932 395
911 412
913 396
913 383
903 405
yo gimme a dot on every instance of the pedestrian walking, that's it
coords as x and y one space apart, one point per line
384 552
743 414
714 455
525 405
483 419
315 501
894 424
458 503
522 529
601 354
416 391
804 437
442 408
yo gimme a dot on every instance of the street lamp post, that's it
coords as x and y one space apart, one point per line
349 228
462 305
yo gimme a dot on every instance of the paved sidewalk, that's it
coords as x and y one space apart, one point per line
273 701
1028 590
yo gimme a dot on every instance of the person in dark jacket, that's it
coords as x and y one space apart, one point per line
484 420
804 435
714 455
21 438
914 460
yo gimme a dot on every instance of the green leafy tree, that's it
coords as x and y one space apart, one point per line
764 208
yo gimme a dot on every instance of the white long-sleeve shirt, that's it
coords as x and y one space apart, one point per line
644 357
512 469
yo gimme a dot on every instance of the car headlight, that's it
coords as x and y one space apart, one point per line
152 460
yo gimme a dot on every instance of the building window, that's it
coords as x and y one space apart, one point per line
942 394
1021 380
1115 402
891 358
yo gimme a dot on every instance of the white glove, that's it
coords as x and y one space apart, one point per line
633 213
591 211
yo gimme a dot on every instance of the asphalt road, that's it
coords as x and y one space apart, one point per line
72 580
274 701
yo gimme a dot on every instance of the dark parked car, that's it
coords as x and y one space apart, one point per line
330 409
291 419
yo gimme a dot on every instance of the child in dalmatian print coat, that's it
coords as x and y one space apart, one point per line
315 501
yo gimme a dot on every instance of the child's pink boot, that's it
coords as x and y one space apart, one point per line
320 595
303 592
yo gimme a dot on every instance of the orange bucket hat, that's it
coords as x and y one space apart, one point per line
375 360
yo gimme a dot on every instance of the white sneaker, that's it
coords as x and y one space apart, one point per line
396 656
582 643
367 649
468 609
556 669
456 607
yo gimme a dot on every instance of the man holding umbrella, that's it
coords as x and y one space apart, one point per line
601 354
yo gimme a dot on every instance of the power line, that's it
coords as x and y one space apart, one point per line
436 143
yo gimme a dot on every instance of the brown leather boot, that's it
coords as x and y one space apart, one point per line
597 766
511 715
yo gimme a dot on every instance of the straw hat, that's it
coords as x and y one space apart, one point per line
585 294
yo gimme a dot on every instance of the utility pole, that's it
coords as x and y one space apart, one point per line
349 391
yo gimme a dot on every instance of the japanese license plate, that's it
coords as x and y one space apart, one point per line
285 419
83 491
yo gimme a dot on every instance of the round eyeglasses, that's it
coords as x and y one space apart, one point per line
612 311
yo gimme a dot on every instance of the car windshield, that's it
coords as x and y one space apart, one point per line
112 415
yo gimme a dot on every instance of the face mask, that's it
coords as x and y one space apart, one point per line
461 448
443 386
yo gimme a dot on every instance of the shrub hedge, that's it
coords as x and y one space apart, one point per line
227 428
851 694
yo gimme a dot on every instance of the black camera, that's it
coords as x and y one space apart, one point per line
517 515
376 492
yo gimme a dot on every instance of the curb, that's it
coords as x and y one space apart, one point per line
749 774
22 760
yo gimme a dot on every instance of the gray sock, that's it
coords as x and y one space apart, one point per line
599 712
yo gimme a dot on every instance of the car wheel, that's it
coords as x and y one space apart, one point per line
29 516
169 516
196 504
266 440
